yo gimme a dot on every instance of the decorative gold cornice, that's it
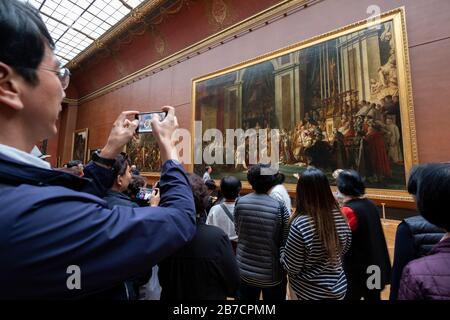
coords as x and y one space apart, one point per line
135 16
245 25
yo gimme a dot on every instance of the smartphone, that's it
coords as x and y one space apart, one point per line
157 187
144 119
144 193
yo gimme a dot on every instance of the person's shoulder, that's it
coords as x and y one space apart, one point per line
211 233
59 193
215 209
302 221
46 200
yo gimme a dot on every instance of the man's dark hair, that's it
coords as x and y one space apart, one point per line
210 184
136 183
207 168
230 187
414 176
121 164
73 163
260 183
23 36
280 178
350 183
433 194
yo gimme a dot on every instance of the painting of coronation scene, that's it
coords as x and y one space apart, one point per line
336 106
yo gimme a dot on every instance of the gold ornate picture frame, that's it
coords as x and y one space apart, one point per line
359 73
80 145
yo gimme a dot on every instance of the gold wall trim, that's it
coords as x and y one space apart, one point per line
268 13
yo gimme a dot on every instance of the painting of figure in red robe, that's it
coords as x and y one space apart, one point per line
338 104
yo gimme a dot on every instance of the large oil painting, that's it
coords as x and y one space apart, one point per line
340 100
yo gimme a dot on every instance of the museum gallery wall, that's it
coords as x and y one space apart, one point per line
340 100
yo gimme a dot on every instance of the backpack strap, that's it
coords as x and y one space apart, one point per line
225 209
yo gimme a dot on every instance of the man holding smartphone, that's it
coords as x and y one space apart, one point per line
54 226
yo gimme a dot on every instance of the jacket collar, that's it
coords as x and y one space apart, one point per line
442 246
24 157
14 173
118 194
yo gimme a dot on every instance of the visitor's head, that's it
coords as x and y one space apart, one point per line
315 199
413 179
313 190
432 189
280 178
32 81
261 183
211 185
201 195
122 172
350 183
208 169
230 187
136 183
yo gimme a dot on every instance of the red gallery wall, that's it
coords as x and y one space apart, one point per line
428 28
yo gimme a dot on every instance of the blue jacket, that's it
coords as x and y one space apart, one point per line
50 220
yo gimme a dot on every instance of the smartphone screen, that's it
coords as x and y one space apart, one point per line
157 187
144 193
145 118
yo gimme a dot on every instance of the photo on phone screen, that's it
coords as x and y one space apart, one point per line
145 118
144 193
157 187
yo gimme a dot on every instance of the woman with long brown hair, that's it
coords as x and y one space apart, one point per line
318 238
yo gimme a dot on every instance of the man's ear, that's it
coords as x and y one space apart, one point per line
119 181
10 87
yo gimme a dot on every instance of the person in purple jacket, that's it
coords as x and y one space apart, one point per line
428 278
58 238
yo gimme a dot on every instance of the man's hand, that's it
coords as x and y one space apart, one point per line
155 197
121 133
163 133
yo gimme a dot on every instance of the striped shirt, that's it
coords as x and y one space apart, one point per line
312 276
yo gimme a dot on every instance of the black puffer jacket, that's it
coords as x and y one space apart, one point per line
262 226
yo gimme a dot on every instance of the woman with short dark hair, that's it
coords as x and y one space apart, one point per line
318 238
414 238
428 278
368 246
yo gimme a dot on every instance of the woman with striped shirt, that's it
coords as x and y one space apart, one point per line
318 238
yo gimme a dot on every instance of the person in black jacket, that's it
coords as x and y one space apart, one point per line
368 242
204 269
414 238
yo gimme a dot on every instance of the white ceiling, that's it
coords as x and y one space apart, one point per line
75 24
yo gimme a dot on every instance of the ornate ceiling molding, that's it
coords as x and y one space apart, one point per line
261 19
135 17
